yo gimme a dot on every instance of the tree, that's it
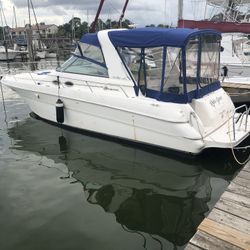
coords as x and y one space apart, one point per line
82 29
151 25
75 22
162 26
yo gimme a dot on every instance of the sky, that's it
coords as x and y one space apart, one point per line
140 12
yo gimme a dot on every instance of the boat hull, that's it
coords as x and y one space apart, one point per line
115 122
239 91
111 108
11 56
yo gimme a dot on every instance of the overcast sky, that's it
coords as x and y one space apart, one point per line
141 12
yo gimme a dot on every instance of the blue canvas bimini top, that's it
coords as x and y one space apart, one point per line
149 37
90 38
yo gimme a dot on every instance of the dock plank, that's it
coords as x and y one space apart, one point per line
226 233
190 246
238 189
244 175
242 182
235 208
207 241
247 167
230 220
228 224
237 198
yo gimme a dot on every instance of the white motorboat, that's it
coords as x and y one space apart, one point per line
11 54
178 104
50 54
233 57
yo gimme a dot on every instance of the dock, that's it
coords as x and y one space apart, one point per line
228 224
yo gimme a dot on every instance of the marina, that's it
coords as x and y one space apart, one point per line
110 80
65 189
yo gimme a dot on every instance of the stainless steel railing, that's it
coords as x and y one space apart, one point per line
26 67
240 118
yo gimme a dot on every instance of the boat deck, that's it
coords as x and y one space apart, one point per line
228 224
236 85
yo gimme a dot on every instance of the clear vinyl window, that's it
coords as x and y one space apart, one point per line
145 64
210 51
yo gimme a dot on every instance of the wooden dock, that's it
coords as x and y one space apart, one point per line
235 85
228 224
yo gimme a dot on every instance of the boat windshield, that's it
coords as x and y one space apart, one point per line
174 73
148 69
86 60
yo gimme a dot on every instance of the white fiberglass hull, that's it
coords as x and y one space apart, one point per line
115 122
50 55
108 110
41 54
238 89
11 56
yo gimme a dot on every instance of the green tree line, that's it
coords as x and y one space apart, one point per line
75 28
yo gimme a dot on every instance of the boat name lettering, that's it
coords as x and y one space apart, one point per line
105 88
213 102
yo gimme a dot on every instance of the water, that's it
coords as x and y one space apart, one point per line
64 190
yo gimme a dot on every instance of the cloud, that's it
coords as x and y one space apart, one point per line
141 12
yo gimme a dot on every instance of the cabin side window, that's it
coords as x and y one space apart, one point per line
87 60
145 64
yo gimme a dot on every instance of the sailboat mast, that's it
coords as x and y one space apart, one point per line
14 12
29 36
123 12
180 10
3 31
93 26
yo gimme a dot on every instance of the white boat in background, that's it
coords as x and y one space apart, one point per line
231 17
11 54
233 55
40 54
236 81
177 104
50 54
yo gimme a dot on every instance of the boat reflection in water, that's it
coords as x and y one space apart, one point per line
156 196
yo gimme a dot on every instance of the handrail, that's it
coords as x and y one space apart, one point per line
20 67
242 116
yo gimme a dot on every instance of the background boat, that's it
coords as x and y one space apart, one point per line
11 54
231 17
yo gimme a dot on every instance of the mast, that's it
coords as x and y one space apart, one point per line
14 11
180 10
40 44
93 26
123 12
3 30
73 29
29 36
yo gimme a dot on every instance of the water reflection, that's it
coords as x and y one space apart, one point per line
150 194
